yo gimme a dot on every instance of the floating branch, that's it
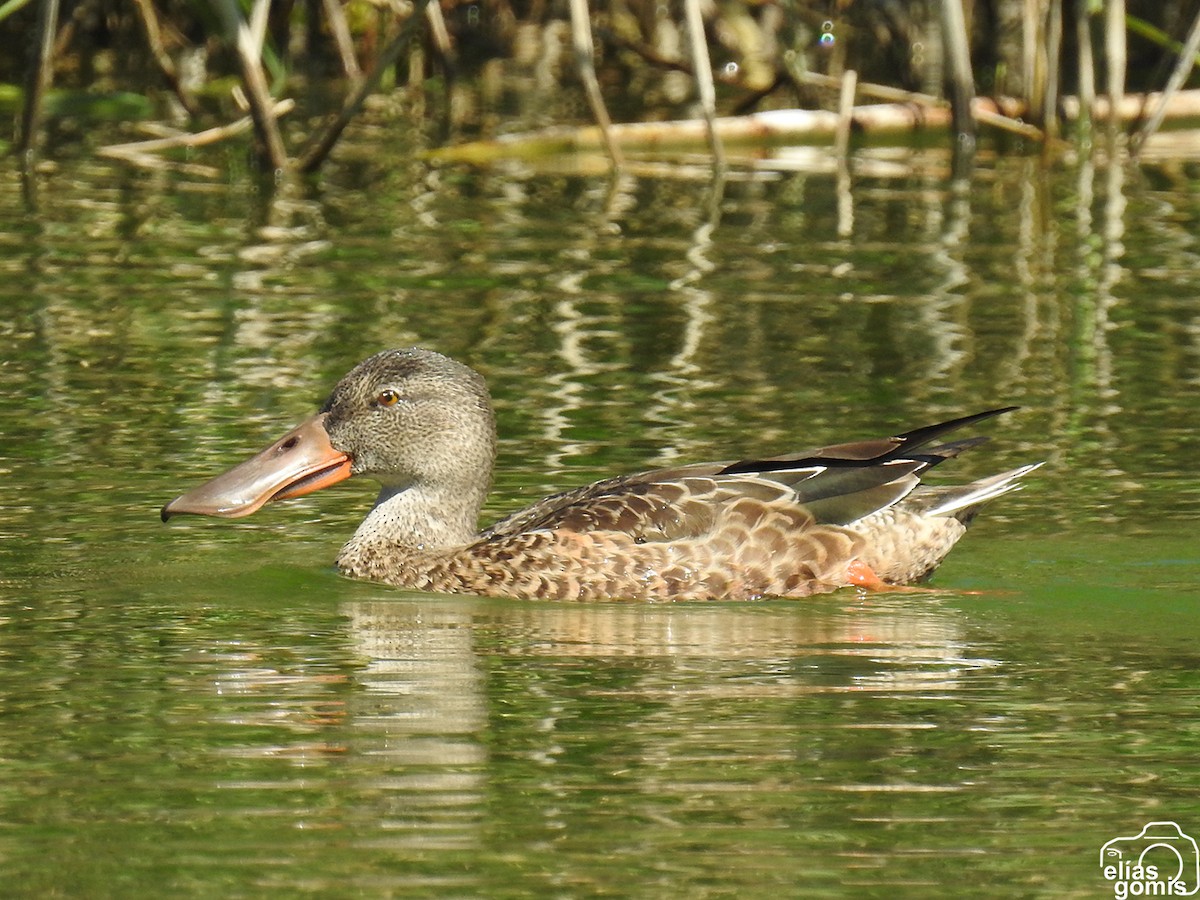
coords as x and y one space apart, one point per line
877 124
139 150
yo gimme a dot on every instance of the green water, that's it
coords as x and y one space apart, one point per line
207 709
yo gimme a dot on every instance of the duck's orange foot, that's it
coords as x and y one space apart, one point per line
863 577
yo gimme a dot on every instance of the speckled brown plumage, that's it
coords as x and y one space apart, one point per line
790 526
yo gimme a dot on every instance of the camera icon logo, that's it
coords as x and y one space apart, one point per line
1159 861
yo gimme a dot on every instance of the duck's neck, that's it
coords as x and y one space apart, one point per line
417 517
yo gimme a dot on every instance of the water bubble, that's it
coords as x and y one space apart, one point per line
827 39
731 69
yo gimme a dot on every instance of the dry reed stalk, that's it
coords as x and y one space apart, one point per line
1114 44
1183 68
1053 54
199 139
149 19
983 111
241 35
342 39
959 77
40 75
585 51
1031 69
794 126
703 73
1087 68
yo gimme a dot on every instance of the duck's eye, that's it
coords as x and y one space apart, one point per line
387 397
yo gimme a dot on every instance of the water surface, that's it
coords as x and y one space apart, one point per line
207 708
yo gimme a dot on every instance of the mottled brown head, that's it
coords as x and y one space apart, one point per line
407 418
414 417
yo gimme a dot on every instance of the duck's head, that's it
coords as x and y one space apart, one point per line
404 417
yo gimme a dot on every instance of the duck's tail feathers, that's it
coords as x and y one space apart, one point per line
969 496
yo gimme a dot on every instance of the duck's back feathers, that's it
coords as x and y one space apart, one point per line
836 485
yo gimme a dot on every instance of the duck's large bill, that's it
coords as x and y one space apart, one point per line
300 462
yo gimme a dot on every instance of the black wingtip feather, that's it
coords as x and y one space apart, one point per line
918 437
902 447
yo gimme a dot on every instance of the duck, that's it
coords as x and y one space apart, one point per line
422 424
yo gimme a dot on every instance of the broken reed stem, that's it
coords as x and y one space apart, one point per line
702 70
199 139
258 25
40 75
585 62
148 16
1183 68
1030 65
342 39
1006 123
241 36
1087 69
438 31
960 80
1115 54
1053 40
983 111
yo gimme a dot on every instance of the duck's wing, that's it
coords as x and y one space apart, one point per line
835 485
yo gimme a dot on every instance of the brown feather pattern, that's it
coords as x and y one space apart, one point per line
711 544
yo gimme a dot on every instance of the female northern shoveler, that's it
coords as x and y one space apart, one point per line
422 425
